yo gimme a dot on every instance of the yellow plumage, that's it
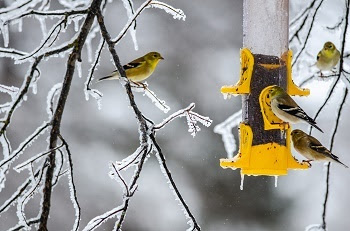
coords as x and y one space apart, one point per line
138 69
328 57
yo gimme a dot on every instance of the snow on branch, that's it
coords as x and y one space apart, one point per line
176 13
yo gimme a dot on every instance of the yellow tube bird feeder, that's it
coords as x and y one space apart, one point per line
264 147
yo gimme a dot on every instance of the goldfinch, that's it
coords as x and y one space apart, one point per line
328 57
311 148
138 69
285 108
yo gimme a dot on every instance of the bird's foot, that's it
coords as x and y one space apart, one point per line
308 162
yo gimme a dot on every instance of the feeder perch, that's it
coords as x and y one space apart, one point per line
264 146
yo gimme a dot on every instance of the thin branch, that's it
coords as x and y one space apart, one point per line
173 116
341 64
73 190
25 144
35 158
172 183
336 26
56 123
130 22
14 197
308 8
309 32
324 224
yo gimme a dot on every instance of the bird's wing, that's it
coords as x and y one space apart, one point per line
315 145
135 63
295 111
318 55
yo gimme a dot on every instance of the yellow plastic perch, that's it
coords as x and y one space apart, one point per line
271 159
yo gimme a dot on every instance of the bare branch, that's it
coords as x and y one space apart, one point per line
163 165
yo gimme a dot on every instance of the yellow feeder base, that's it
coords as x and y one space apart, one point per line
269 159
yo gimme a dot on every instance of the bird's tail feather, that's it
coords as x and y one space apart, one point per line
313 123
108 77
339 162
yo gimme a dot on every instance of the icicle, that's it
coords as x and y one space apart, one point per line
42 26
53 91
5 33
79 69
20 24
129 10
134 39
276 181
76 23
242 182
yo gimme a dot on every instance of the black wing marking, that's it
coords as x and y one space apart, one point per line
295 111
132 65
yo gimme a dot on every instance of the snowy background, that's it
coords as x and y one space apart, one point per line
201 54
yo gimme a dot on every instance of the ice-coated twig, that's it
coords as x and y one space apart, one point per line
192 119
73 191
20 167
177 14
130 160
99 220
162 162
55 28
27 142
11 53
23 200
23 91
115 174
225 130
18 193
143 87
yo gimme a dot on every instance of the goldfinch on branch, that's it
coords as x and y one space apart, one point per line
328 57
311 148
285 108
138 69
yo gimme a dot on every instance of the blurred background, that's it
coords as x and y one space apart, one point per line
201 54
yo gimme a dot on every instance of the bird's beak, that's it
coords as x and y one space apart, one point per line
161 57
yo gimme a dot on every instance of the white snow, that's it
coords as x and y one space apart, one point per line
242 182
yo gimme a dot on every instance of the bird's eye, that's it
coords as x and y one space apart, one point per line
155 55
